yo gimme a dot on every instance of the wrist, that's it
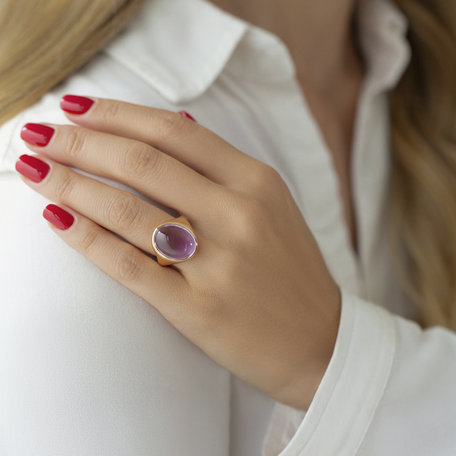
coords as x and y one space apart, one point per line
303 385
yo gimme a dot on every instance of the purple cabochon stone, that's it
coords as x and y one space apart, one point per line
175 241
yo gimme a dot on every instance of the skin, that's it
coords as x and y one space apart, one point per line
330 74
268 315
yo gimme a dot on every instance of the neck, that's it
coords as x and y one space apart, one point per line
318 34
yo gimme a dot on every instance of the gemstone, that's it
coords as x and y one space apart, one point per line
174 241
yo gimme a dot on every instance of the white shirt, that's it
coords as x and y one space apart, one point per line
89 368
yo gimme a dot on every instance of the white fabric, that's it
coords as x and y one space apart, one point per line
89 368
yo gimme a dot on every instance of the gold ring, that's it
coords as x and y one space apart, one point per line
174 241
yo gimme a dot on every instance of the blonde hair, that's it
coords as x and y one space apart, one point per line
43 42
422 229
423 186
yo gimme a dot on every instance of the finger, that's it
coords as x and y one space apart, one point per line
175 134
163 287
119 211
153 173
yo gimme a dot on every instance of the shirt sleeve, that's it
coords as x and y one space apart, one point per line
390 388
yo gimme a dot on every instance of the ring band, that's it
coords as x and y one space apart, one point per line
174 241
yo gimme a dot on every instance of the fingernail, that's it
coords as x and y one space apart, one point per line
58 217
186 114
75 104
32 168
37 134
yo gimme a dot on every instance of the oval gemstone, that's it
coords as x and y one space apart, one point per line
175 241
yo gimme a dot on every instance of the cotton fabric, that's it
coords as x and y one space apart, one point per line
87 367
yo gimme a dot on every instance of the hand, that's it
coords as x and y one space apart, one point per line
257 296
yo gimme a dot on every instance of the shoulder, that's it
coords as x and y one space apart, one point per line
163 59
101 77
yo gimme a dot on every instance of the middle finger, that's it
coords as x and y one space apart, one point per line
150 171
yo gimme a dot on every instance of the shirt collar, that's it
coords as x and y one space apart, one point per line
382 30
202 38
178 46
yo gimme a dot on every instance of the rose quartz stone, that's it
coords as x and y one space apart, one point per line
175 241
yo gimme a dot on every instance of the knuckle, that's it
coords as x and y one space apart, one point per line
76 139
127 265
124 213
171 124
250 215
264 177
138 161
88 240
64 187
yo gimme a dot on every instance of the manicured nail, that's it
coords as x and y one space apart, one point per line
186 114
75 104
37 134
32 168
58 217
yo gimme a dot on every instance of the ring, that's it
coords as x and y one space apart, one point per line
174 241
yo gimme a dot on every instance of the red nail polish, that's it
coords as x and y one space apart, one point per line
37 134
32 168
58 217
186 114
75 104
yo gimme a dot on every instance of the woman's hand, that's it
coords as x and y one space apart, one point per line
257 296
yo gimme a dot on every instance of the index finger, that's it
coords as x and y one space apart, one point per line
172 133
